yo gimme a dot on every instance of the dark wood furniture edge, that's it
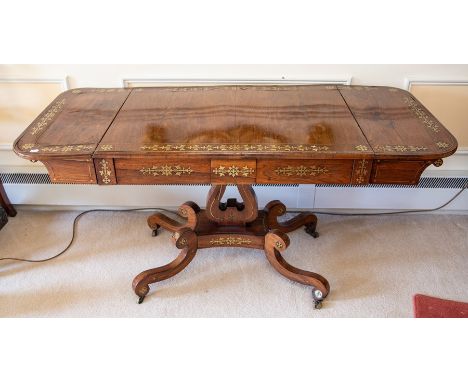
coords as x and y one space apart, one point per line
5 202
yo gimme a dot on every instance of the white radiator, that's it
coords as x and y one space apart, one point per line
37 190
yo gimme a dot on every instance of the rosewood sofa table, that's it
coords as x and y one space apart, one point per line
236 135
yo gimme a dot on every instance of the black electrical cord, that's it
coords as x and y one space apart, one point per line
398 212
75 221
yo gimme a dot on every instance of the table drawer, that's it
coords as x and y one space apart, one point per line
304 171
161 171
398 171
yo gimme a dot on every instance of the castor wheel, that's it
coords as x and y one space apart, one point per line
311 231
140 300
317 296
155 232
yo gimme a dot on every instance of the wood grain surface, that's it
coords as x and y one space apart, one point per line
357 134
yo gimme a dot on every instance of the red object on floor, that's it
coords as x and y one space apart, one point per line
432 307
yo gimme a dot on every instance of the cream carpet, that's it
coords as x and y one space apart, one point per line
374 265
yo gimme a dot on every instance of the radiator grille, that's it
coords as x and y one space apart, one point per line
18 178
426 182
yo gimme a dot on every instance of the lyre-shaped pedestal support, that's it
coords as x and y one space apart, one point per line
233 224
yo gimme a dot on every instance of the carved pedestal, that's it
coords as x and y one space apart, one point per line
233 224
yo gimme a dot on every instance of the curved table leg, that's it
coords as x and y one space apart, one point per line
275 208
188 210
276 242
188 242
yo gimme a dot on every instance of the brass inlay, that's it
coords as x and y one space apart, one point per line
183 241
195 88
207 147
78 91
47 117
362 148
230 241
233 171
442 145
105 171
66 149
438 162
355 87
301 171
105 147
279 245
399 148
361 171
166 170
27 146
422 115
271 88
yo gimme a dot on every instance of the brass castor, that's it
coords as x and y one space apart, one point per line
310 229
154 228
140 300
317 296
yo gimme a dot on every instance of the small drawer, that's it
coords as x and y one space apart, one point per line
166 171
397 171
232 171
304 171
71 171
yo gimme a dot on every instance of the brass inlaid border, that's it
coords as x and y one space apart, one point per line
230 241
105 147
207 147
66 148
300 171
422 115
48 116
233 171
399 148
105 171
361 171
103 90
362 148
442 145
27 146
166 170
31 147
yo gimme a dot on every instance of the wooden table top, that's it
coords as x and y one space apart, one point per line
257 123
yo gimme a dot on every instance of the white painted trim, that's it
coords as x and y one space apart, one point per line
61 81
275 81
6 146
409 81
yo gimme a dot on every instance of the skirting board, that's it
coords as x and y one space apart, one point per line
294 197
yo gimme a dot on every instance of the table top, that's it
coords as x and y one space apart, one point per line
300 122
